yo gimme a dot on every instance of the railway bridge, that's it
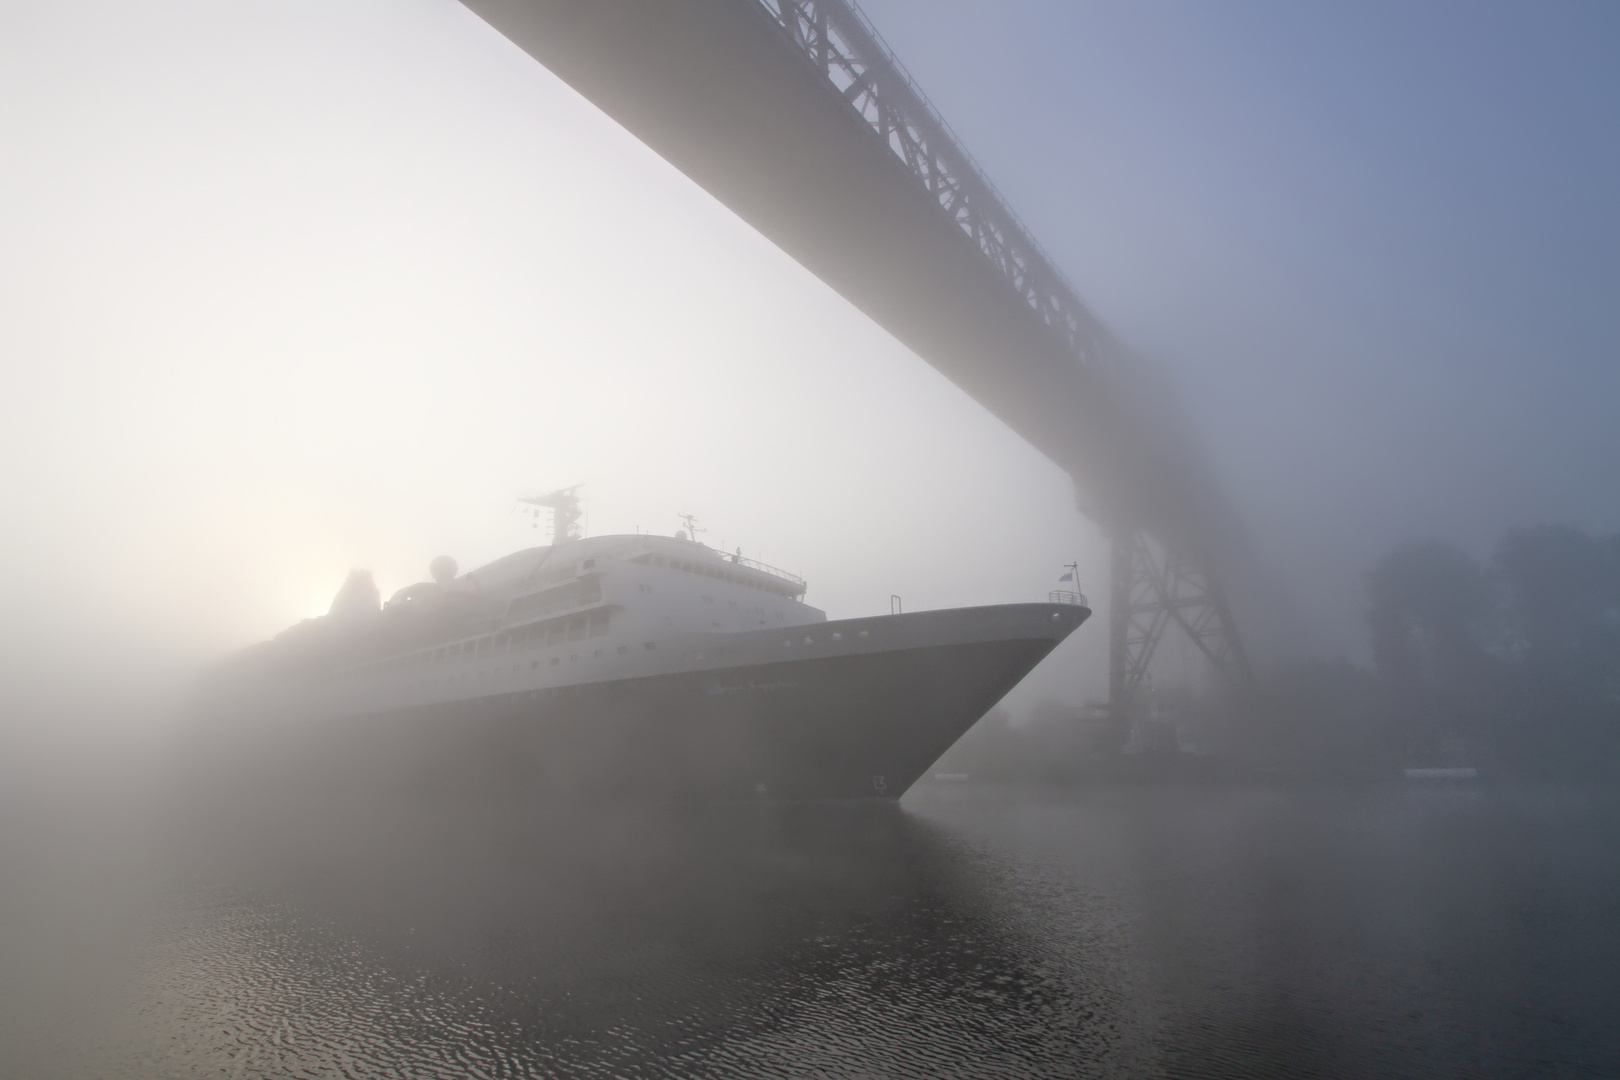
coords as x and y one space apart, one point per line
797 116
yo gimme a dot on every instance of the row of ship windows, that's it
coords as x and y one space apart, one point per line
555 660
837 635
533 636
713 572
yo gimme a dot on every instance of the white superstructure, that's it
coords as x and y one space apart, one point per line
602 608
623 666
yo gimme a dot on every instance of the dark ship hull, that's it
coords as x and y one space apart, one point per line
862 724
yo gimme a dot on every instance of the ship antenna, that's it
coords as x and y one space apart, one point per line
565 512
691 526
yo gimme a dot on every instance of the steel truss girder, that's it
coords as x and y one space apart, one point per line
834 37
798 117
1150 592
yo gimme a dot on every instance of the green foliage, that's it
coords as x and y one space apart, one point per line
1519 658
1430 616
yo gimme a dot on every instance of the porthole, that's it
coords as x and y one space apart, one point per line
837 636
861 633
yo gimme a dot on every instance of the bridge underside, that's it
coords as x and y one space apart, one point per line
739 99
712 87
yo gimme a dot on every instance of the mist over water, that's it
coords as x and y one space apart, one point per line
1116 931
292 290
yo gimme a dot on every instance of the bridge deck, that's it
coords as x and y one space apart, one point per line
714 87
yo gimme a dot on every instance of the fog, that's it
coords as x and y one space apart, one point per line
1373 243
291 289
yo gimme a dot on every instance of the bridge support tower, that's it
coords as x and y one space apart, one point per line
1150 588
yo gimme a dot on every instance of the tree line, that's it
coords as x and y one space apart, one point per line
1510 664
1514 660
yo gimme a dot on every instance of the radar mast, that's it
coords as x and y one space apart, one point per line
565 512
692 529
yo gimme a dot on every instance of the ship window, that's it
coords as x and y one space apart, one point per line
809 641
597 654
534 663
576 628
651 645
553 661
861 633
588 564
623 650
554 633
572 657
598 624
438 654
837 636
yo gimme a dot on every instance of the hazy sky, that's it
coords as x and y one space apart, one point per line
1378 242
289 288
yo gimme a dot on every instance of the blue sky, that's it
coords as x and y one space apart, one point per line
1379 243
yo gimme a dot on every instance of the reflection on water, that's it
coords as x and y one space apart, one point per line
1110 932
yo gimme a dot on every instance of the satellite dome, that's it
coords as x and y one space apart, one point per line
443 569
680 534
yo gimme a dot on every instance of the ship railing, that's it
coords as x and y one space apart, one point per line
1062 596
766 568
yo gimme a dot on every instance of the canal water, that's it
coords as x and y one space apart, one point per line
1130 931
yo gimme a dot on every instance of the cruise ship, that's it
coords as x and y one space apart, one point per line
635 666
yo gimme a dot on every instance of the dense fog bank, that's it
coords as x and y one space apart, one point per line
1510 665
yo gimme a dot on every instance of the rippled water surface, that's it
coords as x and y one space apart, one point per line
1130 931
